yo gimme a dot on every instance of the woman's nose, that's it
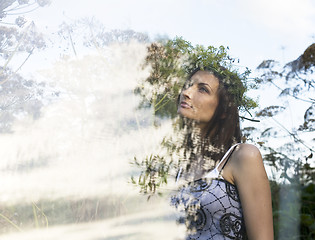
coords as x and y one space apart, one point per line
187 93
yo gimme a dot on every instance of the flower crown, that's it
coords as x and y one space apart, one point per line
234 82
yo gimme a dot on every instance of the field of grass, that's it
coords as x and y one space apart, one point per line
106 218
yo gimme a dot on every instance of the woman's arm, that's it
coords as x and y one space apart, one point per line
250 177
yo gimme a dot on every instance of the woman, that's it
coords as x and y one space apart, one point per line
233 200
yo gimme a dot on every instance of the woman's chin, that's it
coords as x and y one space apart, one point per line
185 115
182 114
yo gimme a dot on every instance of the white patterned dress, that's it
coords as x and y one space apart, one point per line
211 207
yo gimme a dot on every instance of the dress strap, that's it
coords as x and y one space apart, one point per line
226 157
215 173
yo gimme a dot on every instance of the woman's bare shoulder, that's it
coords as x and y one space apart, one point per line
246 155
245 158
246 150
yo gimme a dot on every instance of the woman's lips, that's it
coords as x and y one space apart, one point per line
184 105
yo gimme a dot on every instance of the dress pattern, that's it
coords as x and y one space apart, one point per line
210 208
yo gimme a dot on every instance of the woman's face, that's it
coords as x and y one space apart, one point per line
200 100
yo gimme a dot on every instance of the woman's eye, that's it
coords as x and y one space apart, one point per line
203 89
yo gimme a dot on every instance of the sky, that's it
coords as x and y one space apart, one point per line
253 30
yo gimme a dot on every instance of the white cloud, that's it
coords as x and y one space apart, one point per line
289 16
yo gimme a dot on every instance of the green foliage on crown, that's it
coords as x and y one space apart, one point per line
172 61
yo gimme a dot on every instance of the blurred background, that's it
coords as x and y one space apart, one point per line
71 122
